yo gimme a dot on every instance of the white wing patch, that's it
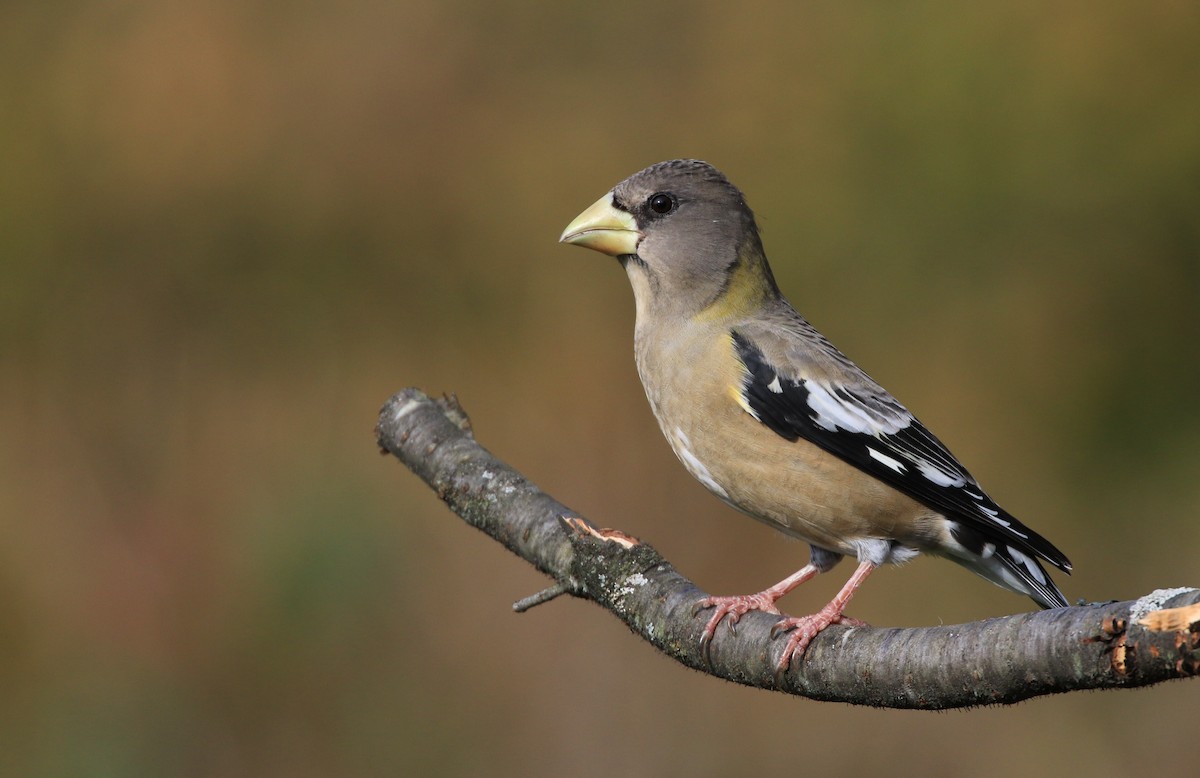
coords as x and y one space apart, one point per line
895 464
833 413
940 477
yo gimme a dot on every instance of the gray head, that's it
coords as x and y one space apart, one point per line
680 229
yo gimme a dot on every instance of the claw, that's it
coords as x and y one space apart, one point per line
705 643
710 631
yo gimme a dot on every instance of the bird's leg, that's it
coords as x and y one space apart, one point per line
738 605
805 628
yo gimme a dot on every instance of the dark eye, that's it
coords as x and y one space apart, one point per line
661 203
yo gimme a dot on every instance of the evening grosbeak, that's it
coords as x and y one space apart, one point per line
776 421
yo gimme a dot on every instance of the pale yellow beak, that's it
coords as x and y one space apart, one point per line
604 228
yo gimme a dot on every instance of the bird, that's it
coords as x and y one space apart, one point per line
764 411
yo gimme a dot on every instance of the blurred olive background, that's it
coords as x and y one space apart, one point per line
230 230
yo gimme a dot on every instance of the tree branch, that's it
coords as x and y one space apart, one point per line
997 661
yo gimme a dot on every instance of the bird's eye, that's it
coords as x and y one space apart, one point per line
661 203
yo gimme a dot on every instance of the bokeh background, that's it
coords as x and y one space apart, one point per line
230 230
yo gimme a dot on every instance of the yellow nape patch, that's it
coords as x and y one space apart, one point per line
746 291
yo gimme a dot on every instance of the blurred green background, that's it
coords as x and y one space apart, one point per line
230 230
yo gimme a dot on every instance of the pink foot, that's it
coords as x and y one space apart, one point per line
739 605
734 607
804 628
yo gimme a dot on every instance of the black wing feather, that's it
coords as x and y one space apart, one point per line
898 454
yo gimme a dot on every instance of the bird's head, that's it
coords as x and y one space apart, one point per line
685 236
